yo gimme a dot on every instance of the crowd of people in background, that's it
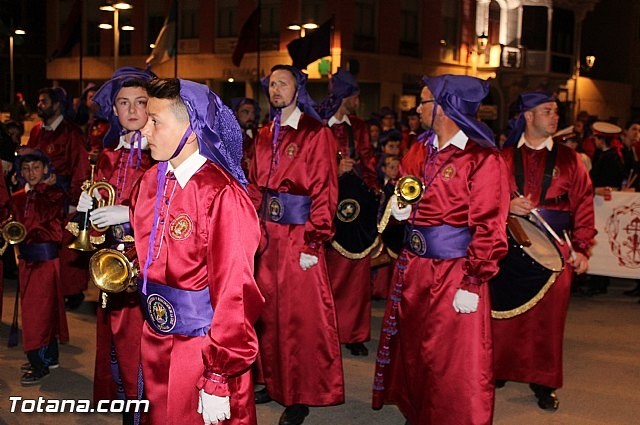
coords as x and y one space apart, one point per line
310 288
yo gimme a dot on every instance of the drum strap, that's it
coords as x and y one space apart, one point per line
548 171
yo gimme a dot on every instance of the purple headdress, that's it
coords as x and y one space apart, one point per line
219 140
460 96
342 85
105 98
525 102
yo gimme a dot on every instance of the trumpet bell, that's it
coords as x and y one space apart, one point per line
409 190
14 232
82 242
113 271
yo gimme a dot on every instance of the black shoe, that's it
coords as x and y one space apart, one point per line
27 366
33 377
357 349
547 397
294 415
500 383
262 396
635 292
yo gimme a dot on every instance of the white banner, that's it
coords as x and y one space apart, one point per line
616 251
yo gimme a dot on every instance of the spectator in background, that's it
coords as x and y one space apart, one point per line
374 134
246 111
18 110
414 129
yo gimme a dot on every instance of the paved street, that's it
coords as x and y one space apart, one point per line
602 373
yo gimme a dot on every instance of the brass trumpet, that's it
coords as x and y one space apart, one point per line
113 271
13 232
83 241
409 190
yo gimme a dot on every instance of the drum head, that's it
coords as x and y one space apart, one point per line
542 250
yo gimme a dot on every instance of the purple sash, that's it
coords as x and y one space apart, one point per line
558 220
441 242
176 311
285 208
32 252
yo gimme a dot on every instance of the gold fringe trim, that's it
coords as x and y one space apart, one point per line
525 307
353 255
384 220
73 228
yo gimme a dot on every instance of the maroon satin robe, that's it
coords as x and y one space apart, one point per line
119 326
207 239
440 370
528 347
66 148
43 317
351 279
299 348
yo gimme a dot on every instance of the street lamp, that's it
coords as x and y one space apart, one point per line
302 27
12 83
115 7
590 60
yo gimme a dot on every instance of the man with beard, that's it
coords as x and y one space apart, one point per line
64 144
349 271
247 112
414 129
550 178
294 186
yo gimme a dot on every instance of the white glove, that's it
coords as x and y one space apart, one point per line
400 214
85 203
465 301
213 408
307 261
109 215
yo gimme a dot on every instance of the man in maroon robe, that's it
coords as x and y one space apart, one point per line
349 271
294 187
434 358
528 347
196 233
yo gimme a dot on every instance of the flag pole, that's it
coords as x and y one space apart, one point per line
258 56
175 39
81 55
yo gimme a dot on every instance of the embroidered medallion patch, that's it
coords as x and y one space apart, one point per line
348 210
276 209
181 227
161 313
417 243
448 172
292 150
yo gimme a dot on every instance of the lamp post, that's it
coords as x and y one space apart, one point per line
12 83
590 60
116 7
302 27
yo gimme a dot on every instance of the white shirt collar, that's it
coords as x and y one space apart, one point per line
27 187
293 119
459 140
54 125
249 132
333 120
123 144
548 143
188 168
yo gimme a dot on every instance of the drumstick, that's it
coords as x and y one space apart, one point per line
570 245
542 221
630 180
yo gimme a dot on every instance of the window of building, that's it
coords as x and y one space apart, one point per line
314 11
227 18
562 28
534 27
451 15
270 18
188 23
364 38
409 28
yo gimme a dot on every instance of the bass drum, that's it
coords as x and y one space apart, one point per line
527 272
355 220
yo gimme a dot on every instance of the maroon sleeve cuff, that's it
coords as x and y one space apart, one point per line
213 384
311 248
471 284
